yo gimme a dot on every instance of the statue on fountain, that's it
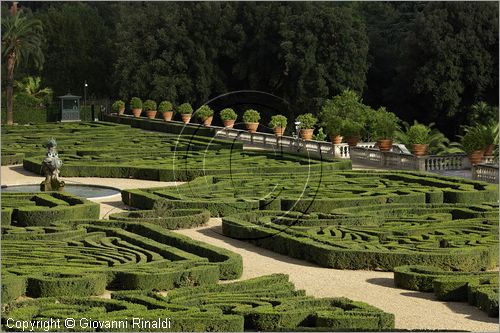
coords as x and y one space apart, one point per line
50 168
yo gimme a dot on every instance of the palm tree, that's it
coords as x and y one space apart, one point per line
21 41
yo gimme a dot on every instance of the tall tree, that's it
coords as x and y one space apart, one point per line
77 48
451 61
21 41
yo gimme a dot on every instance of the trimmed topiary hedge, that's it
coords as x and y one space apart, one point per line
478 288
90 150
83 257
170 219
267 303
332 242
42 209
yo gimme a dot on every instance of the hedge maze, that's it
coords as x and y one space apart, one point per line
349 220
478 288
91 150
83 257
268 303
42 209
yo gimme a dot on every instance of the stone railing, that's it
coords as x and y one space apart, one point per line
285 143
486 172
406 161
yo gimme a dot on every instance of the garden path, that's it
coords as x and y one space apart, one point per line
413 310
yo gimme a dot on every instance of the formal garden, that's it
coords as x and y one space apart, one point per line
241 166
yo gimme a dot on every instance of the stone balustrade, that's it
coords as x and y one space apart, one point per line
485 172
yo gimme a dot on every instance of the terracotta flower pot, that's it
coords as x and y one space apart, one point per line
137 112
306 133
476 157
151 114
420 149
352 140
186 117
279 131
252 127
229 123
384 144
489 150
336 139
207 121
121 111
167 115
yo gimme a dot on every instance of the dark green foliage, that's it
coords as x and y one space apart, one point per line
84 257
78 48
89 150
170 219
13 286
307 120
42 209
185 108
135 103
165 106
149 105
268 303
251 116
478 288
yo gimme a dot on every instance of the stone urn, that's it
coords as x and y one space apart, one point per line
336 139
476 157
137 112
151 114
420 149
252 127
384 144
167 115
186 117
279 131
229 123
207 121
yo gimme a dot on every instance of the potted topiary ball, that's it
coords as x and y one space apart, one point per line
185 110
419 137
150 108
352 131
205 114
251 119
278 124
474 143
136 106
307 122
166 110
385 124
118 107
228 116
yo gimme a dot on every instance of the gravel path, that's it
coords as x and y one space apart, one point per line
413 310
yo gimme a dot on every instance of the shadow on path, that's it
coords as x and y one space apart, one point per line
216 232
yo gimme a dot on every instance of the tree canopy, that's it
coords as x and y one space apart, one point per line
429 61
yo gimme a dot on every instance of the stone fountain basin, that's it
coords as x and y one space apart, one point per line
81 190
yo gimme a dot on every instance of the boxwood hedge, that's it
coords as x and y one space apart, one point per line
268 303
90 150
83 257
42 209
478 288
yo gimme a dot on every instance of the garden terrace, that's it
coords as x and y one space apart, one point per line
42 209
81 258
91 150
477 288
311 192
268 303
458 237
